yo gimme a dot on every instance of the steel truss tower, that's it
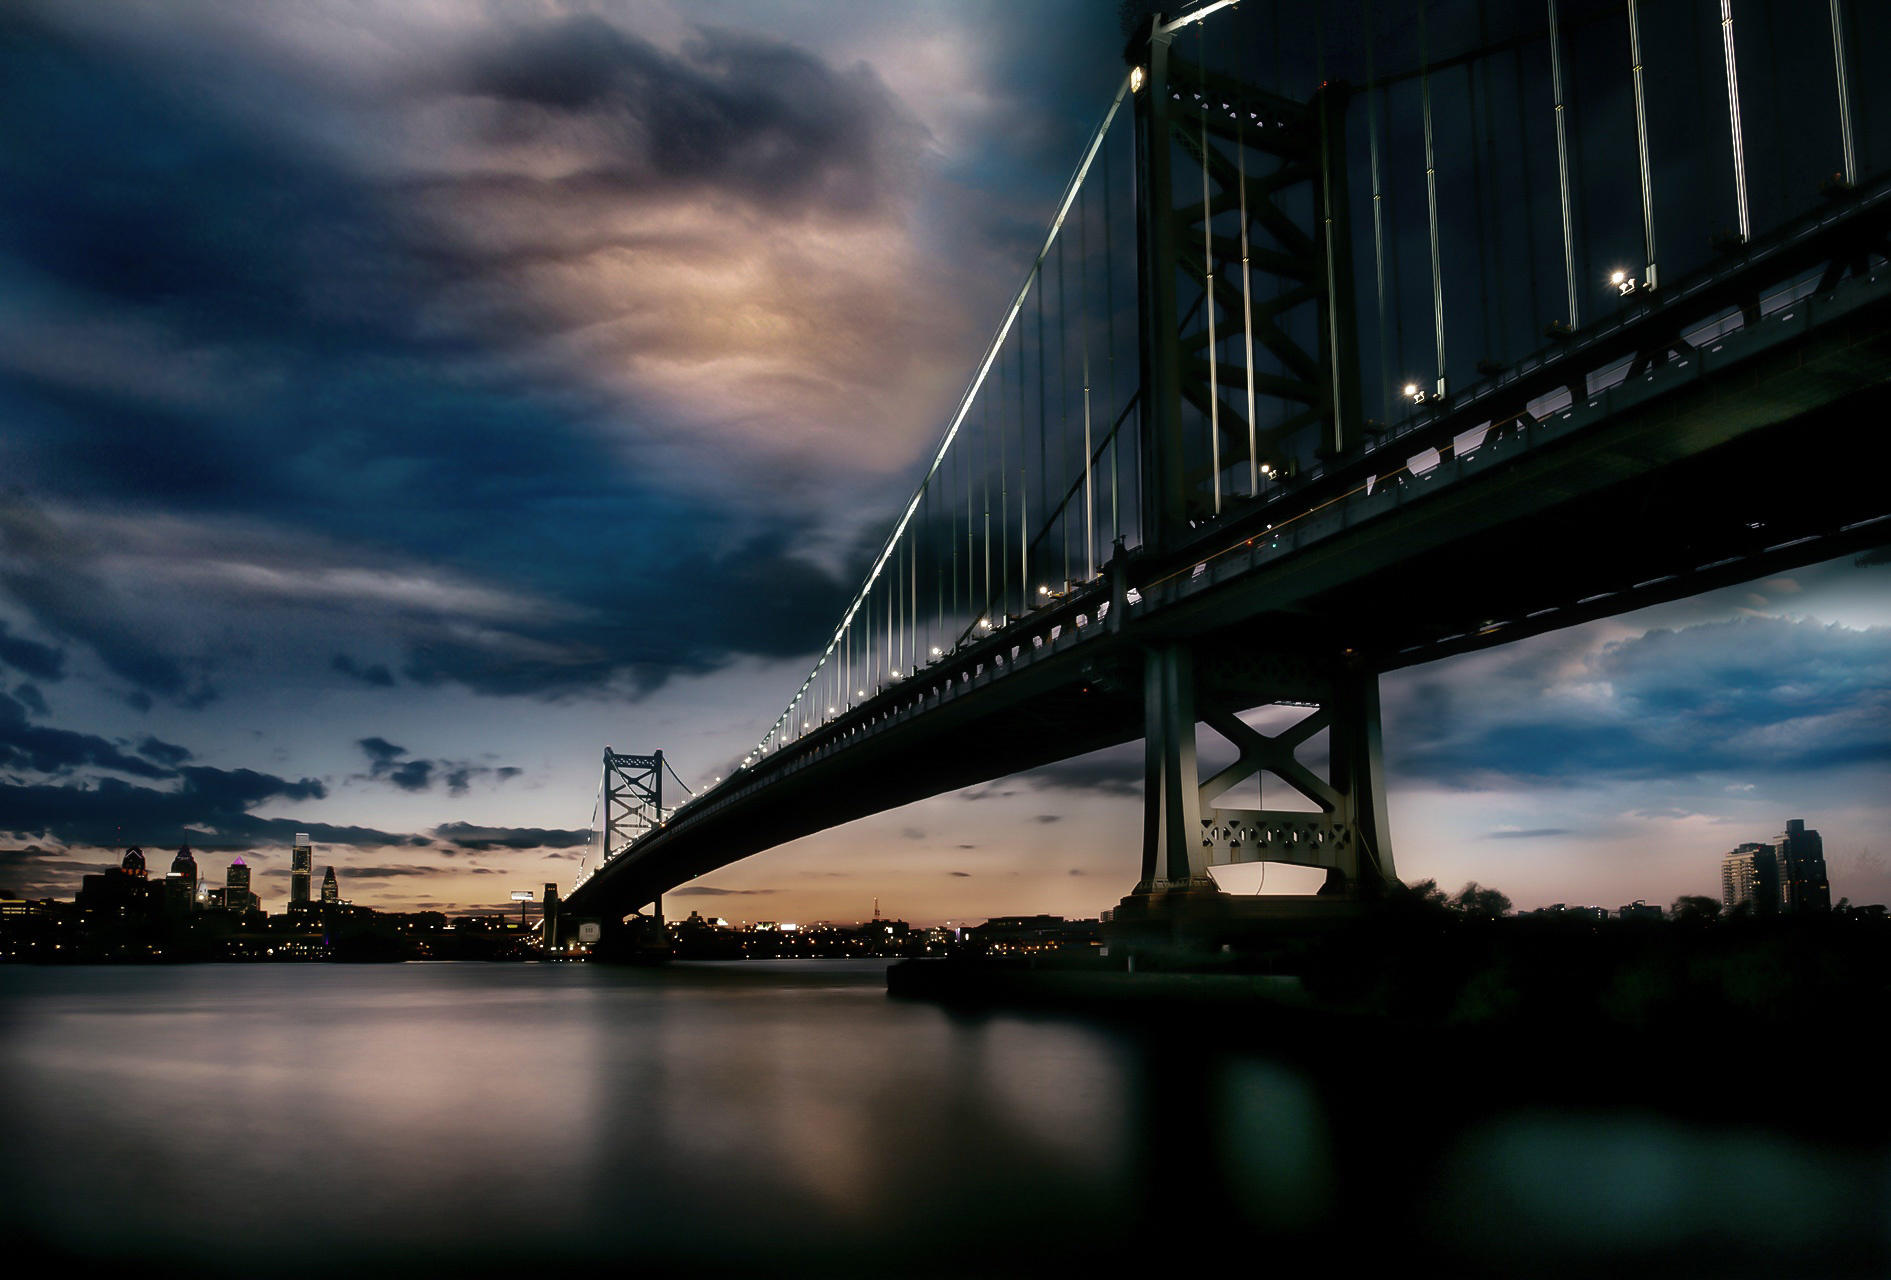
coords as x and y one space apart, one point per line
633 803
1262 181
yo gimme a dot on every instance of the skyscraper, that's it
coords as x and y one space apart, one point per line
331 892
1802 882
1750 874
133 864
184 865
236 886
301 863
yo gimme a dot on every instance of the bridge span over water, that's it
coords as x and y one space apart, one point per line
1170 495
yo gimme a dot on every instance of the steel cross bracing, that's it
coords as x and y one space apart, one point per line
1265 540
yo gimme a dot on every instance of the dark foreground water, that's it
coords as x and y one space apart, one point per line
789 1117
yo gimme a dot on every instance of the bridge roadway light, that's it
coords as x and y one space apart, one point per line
1623 283
1135 79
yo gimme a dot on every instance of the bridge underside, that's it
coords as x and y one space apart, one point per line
1720 480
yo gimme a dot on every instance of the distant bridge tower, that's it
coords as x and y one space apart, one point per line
633 803
1260 170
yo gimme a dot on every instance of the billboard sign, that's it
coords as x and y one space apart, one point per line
521 895
590 931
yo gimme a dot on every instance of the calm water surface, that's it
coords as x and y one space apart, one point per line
231 1119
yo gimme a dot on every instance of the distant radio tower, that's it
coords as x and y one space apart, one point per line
876 910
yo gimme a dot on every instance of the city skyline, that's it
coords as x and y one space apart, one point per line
395 417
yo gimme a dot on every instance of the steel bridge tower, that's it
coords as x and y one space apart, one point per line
1263 177
633 804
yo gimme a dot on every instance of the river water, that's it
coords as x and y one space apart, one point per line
283 1119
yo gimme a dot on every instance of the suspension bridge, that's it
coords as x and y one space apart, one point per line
1363 334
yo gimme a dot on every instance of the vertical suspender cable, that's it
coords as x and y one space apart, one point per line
1208 307
1024 438
1004 494
1063 400
1844 96
938 566
1486 241
965 474
1431 201
984 484
1378 218
1341 438
1491 167
1109 337
1527 184
1641 146
1083 326
1562 167
1247 307
1247 292
938 584
1043 428
1733 120
950 500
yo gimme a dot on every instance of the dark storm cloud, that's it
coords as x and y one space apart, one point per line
707 891
167 753
702 611
381 752
375 675
28 657
385 763
730 111
46 750
255 327
52 574
34 859
31 698
465 835
1767 695
208 808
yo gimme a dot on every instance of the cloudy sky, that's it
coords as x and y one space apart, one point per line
401 402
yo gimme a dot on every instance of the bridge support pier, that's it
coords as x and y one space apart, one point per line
1176 904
